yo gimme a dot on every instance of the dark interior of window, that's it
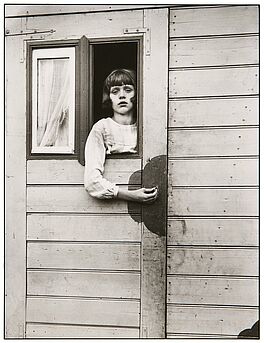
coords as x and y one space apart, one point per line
105 58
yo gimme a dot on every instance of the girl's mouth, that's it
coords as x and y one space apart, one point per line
122 103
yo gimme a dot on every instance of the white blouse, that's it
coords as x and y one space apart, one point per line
106 137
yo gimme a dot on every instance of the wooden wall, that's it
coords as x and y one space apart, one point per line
212 284
83 256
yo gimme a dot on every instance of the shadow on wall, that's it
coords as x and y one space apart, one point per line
153 215
250 333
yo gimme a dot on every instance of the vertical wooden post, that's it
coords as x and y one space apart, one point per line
153 252
15 232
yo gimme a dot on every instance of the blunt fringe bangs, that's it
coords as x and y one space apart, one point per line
117 77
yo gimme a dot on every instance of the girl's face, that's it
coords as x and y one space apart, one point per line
121 98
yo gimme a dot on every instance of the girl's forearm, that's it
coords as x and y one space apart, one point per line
125 195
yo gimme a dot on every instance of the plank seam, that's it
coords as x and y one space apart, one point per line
217 66
92 271
79 297
82 325
241 307
211 127
221 36
205 97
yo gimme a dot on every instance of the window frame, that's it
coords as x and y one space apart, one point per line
41 45
84 94
124 39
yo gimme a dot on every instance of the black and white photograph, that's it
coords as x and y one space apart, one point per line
131 171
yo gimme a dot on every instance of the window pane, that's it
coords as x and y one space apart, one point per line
53 100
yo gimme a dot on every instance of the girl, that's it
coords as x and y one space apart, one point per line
113 135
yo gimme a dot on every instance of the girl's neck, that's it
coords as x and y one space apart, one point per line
123 119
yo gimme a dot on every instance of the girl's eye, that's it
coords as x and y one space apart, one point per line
128 89
114 91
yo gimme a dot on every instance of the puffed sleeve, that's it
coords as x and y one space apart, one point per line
94 182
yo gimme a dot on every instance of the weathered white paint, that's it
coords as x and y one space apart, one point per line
15 158
210 320
83 228
213 82
83 311
213 21
75 331
213 142
92 25
214 232
84 284
29 10
212 290
217 172
213 261
83 256
214 52
214 112
72 172
153 257
210 202
71 199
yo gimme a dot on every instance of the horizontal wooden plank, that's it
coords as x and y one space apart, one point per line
210 202
213 21
206 291
209 261
211 320
232 232
75 331
201 336
214 112
221 172
83 228
92 25
83 311
83 256
86 284
214 52
71 172
213 82
72 199
213 142
30 10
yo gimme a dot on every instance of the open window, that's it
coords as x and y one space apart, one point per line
65 84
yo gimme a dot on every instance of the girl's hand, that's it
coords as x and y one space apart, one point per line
145 195
142 195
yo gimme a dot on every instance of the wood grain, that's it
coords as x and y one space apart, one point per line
71 172
213 82
212 320
210 261
210 202
83 256
153 257
214 112
220 172
213 142
15 196
213 232
84 284
83 228
206 291
83 311
213 21
75 331
214 52
72 199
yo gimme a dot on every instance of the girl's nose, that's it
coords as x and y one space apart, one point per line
122 94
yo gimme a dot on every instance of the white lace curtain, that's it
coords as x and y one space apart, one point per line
53 102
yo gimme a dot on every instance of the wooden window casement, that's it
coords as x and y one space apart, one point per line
64 92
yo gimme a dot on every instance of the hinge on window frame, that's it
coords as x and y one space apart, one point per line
146 32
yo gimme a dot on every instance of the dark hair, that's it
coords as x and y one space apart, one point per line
118 77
